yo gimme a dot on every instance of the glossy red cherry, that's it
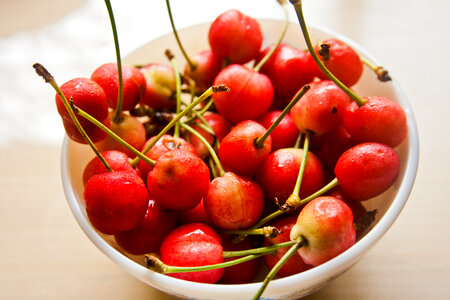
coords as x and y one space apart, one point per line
251 93
115 201
208 65
378 120
326 223
333 144
342 61
191 245
178 180
235 36
289 69
320 110
134 84
366 170
295 264
149 233
234 202
238 152
285 134
196 215
90 97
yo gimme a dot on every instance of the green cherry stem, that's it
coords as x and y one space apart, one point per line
298 141
260 250
176 70
192 64
117 118
382 73
206 94
280 38
259 142
299 11
155 264
41 71
277 267
114 136
267 231
208 146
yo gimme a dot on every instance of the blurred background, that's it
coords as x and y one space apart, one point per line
43 252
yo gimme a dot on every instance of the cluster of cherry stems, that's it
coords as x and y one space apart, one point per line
220 146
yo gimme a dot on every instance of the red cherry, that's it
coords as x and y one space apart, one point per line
208 66
378 120
334 143
326 223
130 129
234 202
116 159
149 233
278 175
90 97
195 215
235 36
285 134
191 245
165 144
115 201
342 61
178 180
241 273
288 69
320 110
295 263
366 170
134 84
238 152
251 94
160 86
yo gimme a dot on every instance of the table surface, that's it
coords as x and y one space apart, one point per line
45 255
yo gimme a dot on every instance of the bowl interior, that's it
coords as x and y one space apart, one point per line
388 205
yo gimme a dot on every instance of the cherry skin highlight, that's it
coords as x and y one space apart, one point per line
320 110
251 94
235 36
178 180
327 225
192 245
134 84
160 86
342 61
366 170
90 97
234 202
278 175
285 134
238 152
149 233
115 201
118 161
289 69
295 263
378 120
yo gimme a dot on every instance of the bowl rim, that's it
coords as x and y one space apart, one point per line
335 266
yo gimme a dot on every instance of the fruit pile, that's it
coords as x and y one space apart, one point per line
247 157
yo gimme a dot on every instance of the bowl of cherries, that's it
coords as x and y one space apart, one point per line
238 159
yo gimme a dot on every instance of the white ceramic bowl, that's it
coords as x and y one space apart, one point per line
389 204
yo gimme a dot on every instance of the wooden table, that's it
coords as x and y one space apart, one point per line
45 255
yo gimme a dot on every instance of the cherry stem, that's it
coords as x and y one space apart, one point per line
192 64
208 146
280 38
298 9
201 112
171 57
113 135
206 94
259 142
212 167
298 141
261 250
277 267
41 71
117 118
301 171
382 73
268 231
155 264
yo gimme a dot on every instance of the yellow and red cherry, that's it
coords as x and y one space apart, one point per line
160 86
